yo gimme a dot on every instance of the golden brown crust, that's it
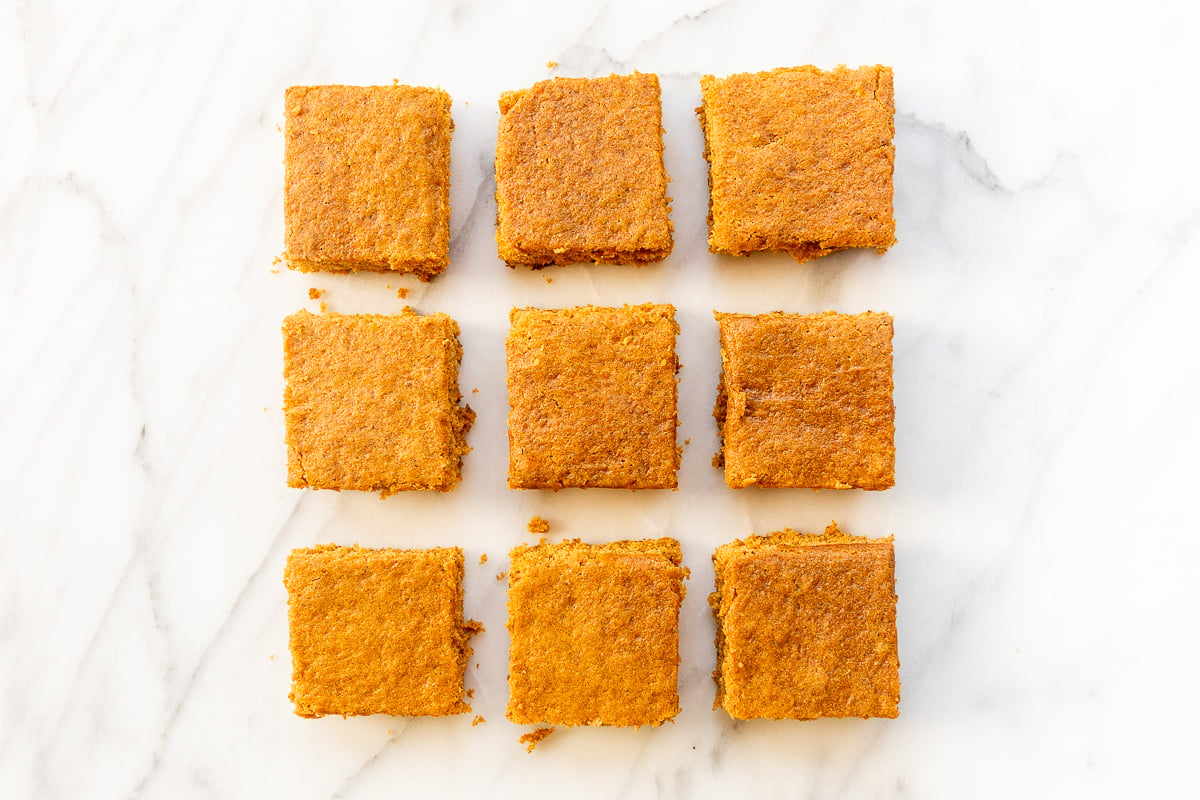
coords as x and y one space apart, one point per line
377 631
367 178
595 633
800 160
372 402
580 175
806 626
593 398
805 401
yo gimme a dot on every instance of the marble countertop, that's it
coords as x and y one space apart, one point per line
1043 287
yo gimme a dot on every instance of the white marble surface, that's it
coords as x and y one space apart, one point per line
1044 291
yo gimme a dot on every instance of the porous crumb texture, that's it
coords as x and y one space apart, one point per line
800 160
805 401
592 395
377 631
595 633
367 183
372 402
532 739
806 626
580 175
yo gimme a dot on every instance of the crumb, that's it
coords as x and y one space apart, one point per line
549 280
483 559
278 127
473 627
395 81
478 719
501 576
475 390
264 409
470 693
686 442
402 293
538 525
324 306
390 732
531 740
476 665
551 64
314 293
271 657
276 260
274 272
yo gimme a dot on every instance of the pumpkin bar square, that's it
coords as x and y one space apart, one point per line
805 401
594 632
806 626
367 183
580 175
372 402
592 398
800 160
377 631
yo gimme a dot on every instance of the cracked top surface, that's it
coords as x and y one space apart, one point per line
800 160
371 402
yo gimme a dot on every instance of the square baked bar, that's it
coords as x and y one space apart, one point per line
377 631
800 160
372 402
580 175
595 633
806 626
367 182
592 398
806 401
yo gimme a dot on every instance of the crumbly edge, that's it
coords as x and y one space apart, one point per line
720 410
702 113
523 556
425 270
658 311
463 629
516 257
805 251
461 417
749 547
